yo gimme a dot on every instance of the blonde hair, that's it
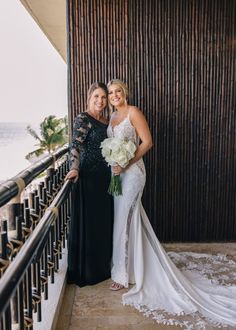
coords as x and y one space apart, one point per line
121 84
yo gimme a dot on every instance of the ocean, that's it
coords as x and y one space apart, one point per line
15 143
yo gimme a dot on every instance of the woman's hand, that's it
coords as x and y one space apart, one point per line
117 169
72 175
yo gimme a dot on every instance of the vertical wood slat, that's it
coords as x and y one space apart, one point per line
178 58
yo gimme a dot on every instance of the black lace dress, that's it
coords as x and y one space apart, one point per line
90 237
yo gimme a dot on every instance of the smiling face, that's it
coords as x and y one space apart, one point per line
116 95
98 100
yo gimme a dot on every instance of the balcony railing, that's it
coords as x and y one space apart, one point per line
32 239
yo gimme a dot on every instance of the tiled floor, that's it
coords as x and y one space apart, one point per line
97 307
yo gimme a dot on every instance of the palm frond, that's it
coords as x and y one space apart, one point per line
52 134
32 132
35 153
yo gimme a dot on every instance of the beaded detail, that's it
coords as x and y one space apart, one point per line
88 133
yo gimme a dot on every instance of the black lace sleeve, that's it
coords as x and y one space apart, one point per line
80 132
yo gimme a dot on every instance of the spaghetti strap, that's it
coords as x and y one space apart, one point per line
128 116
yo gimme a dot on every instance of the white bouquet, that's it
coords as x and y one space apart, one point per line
117 152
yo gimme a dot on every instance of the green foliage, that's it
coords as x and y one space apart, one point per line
53 134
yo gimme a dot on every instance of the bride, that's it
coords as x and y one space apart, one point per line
160 289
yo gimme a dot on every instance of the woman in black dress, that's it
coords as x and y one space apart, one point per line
90 237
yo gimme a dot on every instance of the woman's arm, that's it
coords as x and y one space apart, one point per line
140 124
80 131
73 174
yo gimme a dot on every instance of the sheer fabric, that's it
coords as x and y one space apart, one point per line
189 298
81 128
89 256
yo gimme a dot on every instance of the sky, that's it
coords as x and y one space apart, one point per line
32 73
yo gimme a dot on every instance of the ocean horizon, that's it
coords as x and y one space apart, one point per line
15 143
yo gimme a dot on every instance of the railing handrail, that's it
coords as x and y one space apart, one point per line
29 250
10 187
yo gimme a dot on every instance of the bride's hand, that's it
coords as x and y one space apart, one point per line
72 175
117 170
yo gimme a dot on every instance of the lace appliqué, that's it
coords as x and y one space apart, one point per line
123 130
193 321
206 271
126 130
220 269
120 275
140 165
81 128
129 219
191 298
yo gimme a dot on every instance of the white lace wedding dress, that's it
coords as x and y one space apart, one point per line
170 296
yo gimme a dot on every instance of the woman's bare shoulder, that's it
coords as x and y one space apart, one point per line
135 112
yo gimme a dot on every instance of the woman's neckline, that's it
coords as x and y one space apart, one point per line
119 122
97 120
115 113
122 121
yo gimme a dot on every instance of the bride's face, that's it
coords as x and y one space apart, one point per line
116 95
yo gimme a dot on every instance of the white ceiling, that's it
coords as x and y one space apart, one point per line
50 15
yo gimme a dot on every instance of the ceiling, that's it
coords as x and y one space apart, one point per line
50 15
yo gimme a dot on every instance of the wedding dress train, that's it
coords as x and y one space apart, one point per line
160 289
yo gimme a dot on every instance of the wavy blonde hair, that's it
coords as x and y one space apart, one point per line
122 86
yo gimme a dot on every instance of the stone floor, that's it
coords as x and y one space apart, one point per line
97 307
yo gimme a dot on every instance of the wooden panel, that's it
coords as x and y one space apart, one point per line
178 58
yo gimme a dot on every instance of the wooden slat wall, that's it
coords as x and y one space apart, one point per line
179 60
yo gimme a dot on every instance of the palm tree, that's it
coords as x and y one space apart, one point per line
53 133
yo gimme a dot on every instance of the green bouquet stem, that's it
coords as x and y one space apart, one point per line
115 188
